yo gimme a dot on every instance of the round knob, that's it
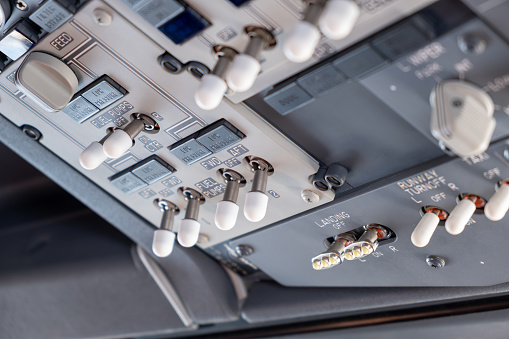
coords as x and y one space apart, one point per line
498 205
243 72
210 92
188 233
92 156
255 206
226 214
339 18
162 244
117 144
301 42
424 230
459 217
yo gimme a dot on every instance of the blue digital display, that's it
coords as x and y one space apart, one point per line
184 26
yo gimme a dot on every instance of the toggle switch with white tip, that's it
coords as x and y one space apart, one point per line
424 230
302 39
339 18
94 155
255 206
121 140
213 85
245 66
164 238
227 209
497 206
189 229
461 214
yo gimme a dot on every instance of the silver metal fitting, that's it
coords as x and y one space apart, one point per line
169 210
194 200
259 39
224 56
234 181
262 170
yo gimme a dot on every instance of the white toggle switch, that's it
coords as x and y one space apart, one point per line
497 206
245 66
339 18
210 92
189 229
213 86
121 140
162 243
164 238
92 156
117 144
5 12
426 227
227 209
459 217
301 42
462 117
255 206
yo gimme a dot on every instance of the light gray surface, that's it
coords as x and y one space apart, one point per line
473 258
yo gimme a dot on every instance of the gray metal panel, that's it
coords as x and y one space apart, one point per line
352 127
270 302
493 325
406 85
473 258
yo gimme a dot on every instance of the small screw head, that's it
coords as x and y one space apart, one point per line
244 250
101 17
434 261
506 153
21 5
309 196
472 43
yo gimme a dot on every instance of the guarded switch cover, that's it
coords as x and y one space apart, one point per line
47 80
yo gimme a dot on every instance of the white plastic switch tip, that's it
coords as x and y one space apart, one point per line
424 230
338 18
162 245
255 206
498 205
210 92
188 233
301 42
92 156
226 215
459 217
243 72
117 144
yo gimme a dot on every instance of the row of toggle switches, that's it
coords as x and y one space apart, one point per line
238 71
455 222
227 210
351 246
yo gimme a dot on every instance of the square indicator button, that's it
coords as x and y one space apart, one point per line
128 183
102 94
152 170
219 137
157 12
189 151
80 109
